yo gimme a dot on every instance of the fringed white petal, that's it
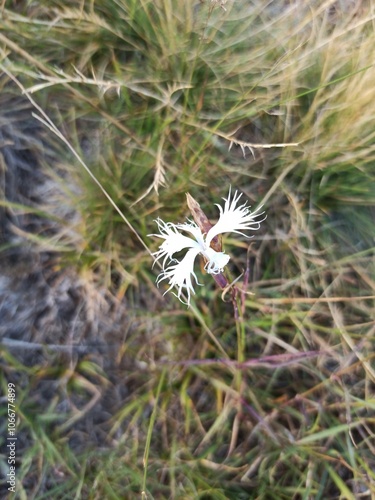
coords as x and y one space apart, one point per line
174 241
216 261
233 219
192 228
180 274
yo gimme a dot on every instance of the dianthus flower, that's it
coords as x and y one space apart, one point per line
179 273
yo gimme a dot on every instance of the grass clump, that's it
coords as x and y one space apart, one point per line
124 393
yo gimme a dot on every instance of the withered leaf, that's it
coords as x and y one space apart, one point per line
202 222
205 225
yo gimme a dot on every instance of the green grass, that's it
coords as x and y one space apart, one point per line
164 401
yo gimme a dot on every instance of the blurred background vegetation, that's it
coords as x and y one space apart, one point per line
123 392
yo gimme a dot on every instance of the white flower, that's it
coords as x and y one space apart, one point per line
180 272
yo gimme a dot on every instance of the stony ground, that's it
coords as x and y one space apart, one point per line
49 315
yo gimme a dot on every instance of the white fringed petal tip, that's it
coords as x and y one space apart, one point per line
179 273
